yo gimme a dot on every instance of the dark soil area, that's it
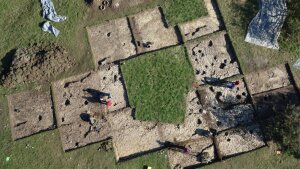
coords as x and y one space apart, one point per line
37 63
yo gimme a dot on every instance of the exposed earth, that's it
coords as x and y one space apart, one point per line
37 63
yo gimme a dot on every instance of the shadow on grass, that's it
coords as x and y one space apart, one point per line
293 14
247 11
278 113
88 2
6 63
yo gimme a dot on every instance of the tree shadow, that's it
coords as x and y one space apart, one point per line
278 113
6 63
293 7
89 2
247 11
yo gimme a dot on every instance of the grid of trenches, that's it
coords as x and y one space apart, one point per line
220 121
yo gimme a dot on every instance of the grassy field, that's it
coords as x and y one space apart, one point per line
157 83
178 11
264 158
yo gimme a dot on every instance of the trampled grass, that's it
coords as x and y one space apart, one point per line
157 83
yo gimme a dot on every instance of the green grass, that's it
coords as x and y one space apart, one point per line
237 15
178 11
264 158
157 83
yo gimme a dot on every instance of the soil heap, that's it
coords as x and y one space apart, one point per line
37 63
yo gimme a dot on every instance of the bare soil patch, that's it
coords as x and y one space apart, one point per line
132 137
202 26
151 31
77 95
212 57
193 121
111 41
267 80
222 119
30 112
268 103
37 63
239 140
217 96
80 133
202 152
80 93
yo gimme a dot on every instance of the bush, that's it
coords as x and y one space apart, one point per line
290 39
287 130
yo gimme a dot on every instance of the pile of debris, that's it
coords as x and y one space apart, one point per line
37 63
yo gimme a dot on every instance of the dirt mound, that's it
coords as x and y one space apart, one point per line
37 63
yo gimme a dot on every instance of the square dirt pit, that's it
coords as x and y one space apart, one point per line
220 119
268 103
30 112
202 26
131 137
79 134
202 152
267 80
218 96
111 41
78 94
239 140
212 57
151 31
193 121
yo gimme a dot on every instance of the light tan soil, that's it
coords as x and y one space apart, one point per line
30 112
204 25
211 57
267 80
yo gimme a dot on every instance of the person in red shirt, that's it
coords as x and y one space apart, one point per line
231 85
107 102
